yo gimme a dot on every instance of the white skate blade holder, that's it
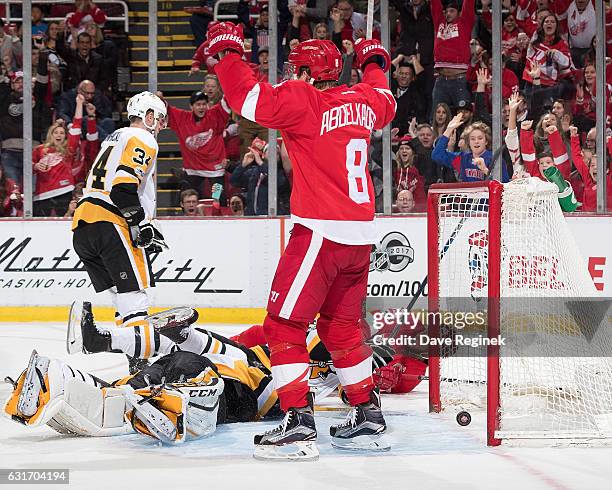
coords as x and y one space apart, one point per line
376 443
74 338
297 451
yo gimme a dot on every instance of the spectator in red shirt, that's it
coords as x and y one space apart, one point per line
53 162
202 59
200 134
585 107
549 63
85 12
452 51
11 201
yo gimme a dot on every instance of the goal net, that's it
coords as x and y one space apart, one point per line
505 255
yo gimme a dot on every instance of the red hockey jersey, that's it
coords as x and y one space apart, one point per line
201 142
452 41
557 148
554 59
327 134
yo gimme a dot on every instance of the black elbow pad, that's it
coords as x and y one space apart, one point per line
125 196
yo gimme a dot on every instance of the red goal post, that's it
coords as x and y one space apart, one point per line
509 243
494 190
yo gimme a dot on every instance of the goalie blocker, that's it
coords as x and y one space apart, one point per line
156 402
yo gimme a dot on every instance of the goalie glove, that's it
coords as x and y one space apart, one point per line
171 412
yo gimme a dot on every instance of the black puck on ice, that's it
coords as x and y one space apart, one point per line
464 418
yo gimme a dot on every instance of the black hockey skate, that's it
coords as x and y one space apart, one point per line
94 339
294 439
363 428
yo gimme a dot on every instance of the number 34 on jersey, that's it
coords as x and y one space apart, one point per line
127 156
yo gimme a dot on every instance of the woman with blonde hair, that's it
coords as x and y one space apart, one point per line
441 117
53 162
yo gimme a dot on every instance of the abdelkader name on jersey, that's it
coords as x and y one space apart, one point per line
351 113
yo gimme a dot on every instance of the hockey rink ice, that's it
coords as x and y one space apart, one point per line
428 451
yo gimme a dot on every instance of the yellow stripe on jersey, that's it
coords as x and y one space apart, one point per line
139 258
90 212
240 371
148 339
125 179
313 342
266 400
139 322
262 356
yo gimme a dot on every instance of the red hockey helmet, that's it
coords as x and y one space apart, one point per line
321 57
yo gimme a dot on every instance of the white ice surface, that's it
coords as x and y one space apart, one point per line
428 451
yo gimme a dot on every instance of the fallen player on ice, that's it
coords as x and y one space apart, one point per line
183 395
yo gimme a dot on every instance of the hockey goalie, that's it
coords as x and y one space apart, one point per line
155 402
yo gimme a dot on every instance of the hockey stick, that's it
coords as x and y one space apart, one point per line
494 159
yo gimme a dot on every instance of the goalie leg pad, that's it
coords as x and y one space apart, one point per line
70 402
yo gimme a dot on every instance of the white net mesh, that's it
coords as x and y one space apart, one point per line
556 366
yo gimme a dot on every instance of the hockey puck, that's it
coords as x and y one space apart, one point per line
464 418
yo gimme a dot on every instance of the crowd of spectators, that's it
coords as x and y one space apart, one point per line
440 76
441 79
74 69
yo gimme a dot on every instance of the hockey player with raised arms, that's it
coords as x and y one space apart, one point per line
324 269
113 232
